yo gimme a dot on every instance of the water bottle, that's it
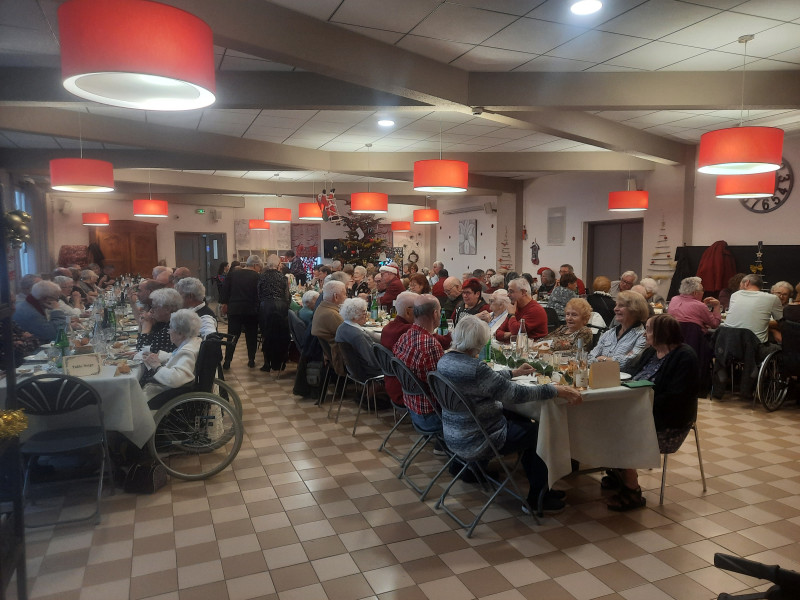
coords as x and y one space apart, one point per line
374 307
522 341
62 343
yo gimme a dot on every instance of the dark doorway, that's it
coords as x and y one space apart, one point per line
614 247
202 253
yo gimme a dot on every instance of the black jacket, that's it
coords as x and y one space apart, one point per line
240 292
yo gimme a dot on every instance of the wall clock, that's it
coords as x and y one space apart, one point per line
784 182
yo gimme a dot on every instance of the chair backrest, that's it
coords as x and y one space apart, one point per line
732 341
790 330
298 329
327 352
53 394
670 440
411 385
353 362
693 335
384 357
208 361
553 322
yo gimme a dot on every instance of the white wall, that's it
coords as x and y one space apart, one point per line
447 235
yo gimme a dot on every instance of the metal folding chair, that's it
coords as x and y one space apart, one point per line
384 357
355 372
671 445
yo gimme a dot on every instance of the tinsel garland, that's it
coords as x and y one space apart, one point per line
12 423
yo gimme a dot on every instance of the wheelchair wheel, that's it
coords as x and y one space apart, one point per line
197 436
226 392
772 386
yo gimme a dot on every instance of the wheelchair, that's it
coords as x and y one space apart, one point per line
199 427
779 368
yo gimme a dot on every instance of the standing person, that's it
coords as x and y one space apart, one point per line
296 267
273 296
522 307
239 300
390 275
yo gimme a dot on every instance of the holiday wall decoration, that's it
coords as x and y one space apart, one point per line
327 203
363 243
661 265
504 261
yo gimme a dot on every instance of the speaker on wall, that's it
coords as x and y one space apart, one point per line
330 248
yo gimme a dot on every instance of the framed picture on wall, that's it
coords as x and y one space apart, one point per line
468 236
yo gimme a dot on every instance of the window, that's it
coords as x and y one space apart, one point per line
24 255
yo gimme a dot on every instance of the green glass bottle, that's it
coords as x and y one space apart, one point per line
62 343
443 325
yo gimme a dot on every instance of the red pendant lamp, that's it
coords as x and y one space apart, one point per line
81 175
309 211
136 54
441 176
629 200
151 208
401 226
369 202
96 219
426 216
740 151
258 225
278 215
760 185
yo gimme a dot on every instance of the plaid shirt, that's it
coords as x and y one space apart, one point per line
420 351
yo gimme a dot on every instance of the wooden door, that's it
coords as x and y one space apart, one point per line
131 246
614 247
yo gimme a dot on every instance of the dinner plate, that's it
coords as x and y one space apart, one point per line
624 376
38 357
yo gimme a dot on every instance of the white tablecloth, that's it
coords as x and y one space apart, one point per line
613 427
124 404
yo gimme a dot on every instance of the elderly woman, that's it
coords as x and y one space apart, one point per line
625 341
359 283
309 302
498 307
88 283
354 312
170 370
193 293
563 292
69 300
471 300
690 306
419 284
154 335
32 313
485 388
651 291
273 314
576 315
496 282
783 290
600 299
672 367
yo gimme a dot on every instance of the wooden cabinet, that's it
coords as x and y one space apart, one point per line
130 246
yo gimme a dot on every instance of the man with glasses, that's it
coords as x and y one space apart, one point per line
452 295
522 307
624 284
38 313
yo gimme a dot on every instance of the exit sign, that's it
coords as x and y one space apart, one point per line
200 211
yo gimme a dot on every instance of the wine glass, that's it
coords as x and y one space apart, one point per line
53 356
507 350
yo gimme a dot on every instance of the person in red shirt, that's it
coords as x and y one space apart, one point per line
567 268
438 288
522 307
390 276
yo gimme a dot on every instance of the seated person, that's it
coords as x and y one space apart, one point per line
418 284
171 370
69 301
359 284
576 314
496 282
354 312
755 310
23 343
690 306
193 293
651 291
567 268
522 307
734 285
640 289
39 314
451 287
672 366
484 388
108 278
600 300
88 283
625 341
563 293
471 300
309 301
498 310
783 290
154 336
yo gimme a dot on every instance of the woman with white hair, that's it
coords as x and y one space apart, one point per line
88 283
486 389
170 370
70 300
193 293
498 305
354 312
309 302
39 314
273 315
359 283
651 287
154 335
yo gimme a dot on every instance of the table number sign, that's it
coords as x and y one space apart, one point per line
604 374
82 365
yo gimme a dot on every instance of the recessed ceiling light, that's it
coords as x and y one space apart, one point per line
586 7
385 122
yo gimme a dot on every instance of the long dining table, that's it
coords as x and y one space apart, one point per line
612 427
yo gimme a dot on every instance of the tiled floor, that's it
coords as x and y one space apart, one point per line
309 512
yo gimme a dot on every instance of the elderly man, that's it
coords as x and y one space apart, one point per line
108 278
26 285
180 273
567 268
88 283
163 275
354 312
690 307
452 295
419 350
69 301
193 293
522 307
754 310
296 267
327 319
336 266
390 276
437 267
624 284
140 298
31 315
239 300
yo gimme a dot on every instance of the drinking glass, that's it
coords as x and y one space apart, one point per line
507 350
450 325
53 354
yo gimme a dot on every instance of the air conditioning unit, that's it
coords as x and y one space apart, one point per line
462 210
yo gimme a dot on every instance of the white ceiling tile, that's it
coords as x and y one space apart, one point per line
407 134
609 68
130 114
322 127
792 56
554 64
782 38
719 30
278 122
558 11
654 56
384 14
447 117
387 37
453 138
423 146
533 36
749 114
462 24
263 137
512 146
512 7
232 115
184 120
237 174
585 148
554 146
699 121
708 61
657 18
221 128
261 174
236 63
349 117
360 139
391 143
319 9
782 10
464 147
623 115
198 172
791 117
491 59
441 50
508 133
597 46
652 119
335 146
767 64
475 129
289 114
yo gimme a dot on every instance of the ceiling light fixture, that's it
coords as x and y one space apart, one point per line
96 219
630 200
369 202
760 185
440 176
81 174
136 54
741 150
401 226
426 216
149 207
278 215
385 122
258 225
309 211
586 7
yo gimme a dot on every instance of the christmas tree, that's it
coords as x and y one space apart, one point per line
362 244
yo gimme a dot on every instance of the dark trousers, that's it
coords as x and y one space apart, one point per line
238 323
273 315
521 436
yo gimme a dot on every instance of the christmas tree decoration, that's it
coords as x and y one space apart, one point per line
362 244
661 265
504 262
